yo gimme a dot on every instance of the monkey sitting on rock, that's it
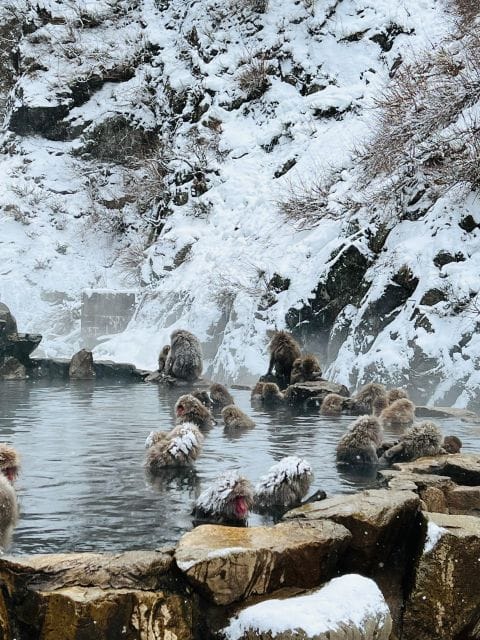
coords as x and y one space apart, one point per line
190 409
305 369
234 418
226 501
359 445
423 439
284 350
283 486
220 396
179 447
184 359
9 464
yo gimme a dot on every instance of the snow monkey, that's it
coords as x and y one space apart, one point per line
369 393
190 409
9 464
203 397
452 444
359 445
162 358
271 395
396 394
234 418
179 447
284 350
220 396
226 501
256 394
332 405
184 360
305 369
284 485
423 439
400 413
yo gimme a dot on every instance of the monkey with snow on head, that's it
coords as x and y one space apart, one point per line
9 465
226 501
179 447
359 445
400 413
284 485
284 350
234 418
305 369
190 409
422 439
220 395
184 360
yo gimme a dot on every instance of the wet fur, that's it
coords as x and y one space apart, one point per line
284 350
305 369
220 396
359 445
423 439
234 418
162 358
166 452
203 397
369 393
9 462
332 405
271 395
396 394
400 413
184 360
257 391
193 411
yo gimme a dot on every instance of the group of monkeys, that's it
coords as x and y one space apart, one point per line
230 498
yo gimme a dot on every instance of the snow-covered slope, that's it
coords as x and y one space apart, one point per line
148 145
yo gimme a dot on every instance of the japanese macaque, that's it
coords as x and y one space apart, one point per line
283 352
162 358
271 395
257 391
332 405
190 409
9 464
305 369
234 418
203 397
179 447
284 485
359 445
400 413
226 501
220 396
452 444
379 404
423 439
184 360
368 394
396 394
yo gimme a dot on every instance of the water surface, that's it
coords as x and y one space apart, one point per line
83 487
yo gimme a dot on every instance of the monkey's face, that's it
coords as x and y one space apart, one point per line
10 473
240 507
180 409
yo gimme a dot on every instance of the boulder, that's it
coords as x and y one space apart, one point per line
81 366
462 468
445 598
227 564
12 369
347 608
133 595
446 412
432 489
313 392
8 324
464 500
384 525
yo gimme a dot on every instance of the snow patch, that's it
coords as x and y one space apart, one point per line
434 533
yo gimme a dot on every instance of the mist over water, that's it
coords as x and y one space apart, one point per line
82 485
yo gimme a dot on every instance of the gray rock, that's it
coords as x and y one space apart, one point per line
81 366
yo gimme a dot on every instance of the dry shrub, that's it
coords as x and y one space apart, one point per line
467 10
253 79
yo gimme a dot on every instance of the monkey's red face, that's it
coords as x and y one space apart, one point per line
180 410
10 473
240 508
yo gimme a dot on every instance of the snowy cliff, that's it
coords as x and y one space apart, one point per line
244 165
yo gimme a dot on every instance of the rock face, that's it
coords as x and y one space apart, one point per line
347 608
463 468
81 366
227 564
132 595
445 600
15 348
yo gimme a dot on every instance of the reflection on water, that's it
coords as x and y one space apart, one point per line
82 485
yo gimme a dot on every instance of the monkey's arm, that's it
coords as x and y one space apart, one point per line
395 451
270 366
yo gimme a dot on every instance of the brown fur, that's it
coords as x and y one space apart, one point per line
369 393
9 464
234 418
168 449
220 395
332 405
162 358
190 409
184 360
423 439
359 445
379 404
452 444
218 502
203 397
284 350
400 413
305 369
396 394
257 391
271 395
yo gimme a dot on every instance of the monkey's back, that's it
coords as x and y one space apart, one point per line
8 511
